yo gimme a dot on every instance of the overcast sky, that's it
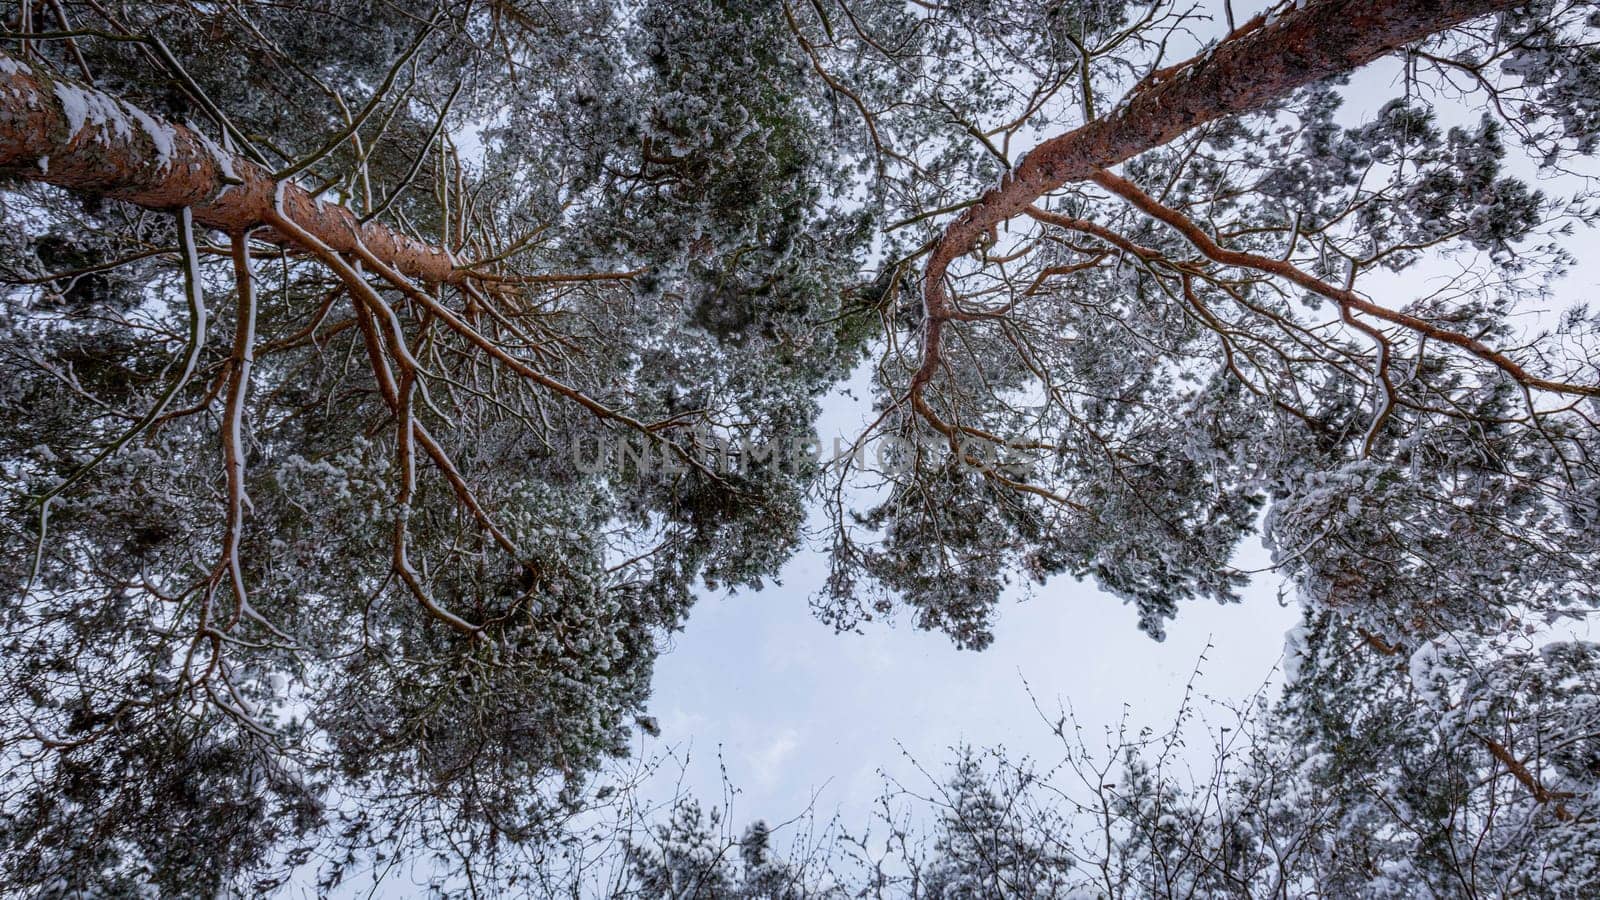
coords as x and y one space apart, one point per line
796 711
797 716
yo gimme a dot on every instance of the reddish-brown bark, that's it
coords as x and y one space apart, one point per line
116 151
1346 299
1520 772
1255 66
1502 755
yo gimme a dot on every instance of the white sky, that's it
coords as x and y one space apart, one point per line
794 710
757 686
794 715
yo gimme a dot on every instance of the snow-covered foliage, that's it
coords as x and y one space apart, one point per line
174 723
302 573
1465 768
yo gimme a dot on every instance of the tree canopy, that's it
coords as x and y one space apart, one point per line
380 380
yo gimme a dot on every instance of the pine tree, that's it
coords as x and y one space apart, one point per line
314 314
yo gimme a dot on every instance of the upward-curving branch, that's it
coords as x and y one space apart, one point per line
1261 61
